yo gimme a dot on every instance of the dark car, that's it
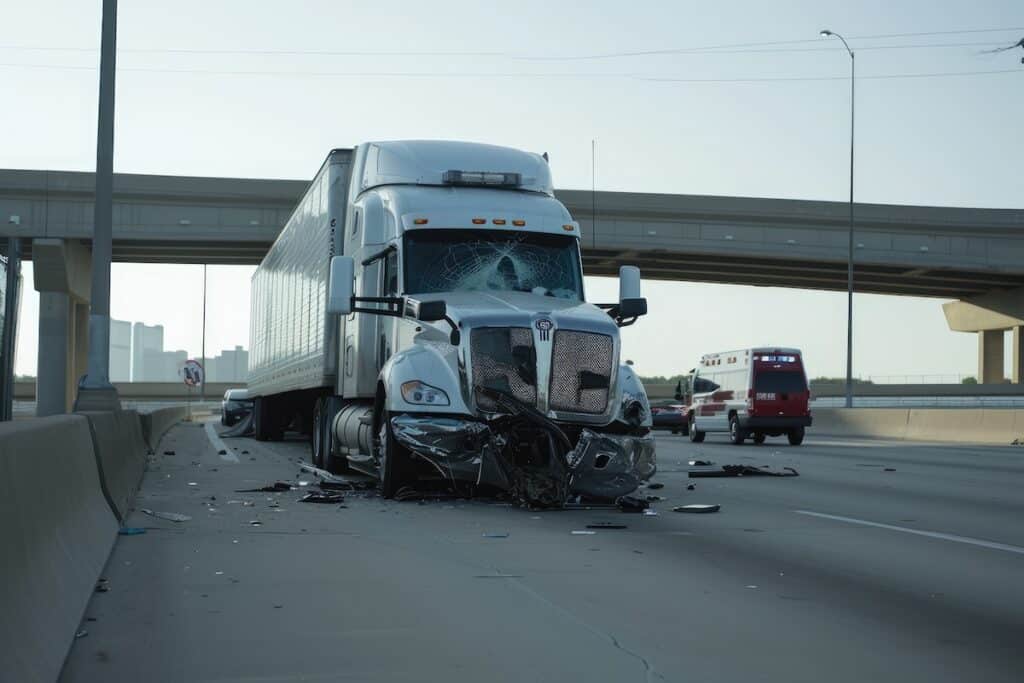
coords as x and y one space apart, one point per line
235 406
671 417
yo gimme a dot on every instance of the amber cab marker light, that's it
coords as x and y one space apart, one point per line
568 227
499 221
519 223
479 221
419 221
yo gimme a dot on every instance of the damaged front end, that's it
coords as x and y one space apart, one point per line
528 456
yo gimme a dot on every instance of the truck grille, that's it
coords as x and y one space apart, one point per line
581 370
504 358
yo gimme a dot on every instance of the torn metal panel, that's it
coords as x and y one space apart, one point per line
532 464
610 465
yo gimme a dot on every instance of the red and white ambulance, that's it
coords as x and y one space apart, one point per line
750 393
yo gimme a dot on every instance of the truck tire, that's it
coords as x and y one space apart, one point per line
266 422
737 435
396 469
796 436
319 440
759 438
696 436
325 409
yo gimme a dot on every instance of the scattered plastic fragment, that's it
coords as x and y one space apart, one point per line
192 483
322 497
701 463
653 499
632 504
691 487
498 576
583 532
82 634
103 586
750 586
607 525
169 516
743 471
169 453
255 522
271 488
655 485
697 508
651 513
495 534
131 531
889 469
222 452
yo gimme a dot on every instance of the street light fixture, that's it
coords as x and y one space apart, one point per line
849 255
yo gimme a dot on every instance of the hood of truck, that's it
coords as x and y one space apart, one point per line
482 309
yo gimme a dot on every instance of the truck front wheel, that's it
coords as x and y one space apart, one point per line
396 468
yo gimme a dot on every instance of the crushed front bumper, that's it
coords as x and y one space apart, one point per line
600 466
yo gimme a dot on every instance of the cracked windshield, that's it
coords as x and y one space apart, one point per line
481 260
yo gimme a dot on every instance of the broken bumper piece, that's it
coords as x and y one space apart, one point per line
610 465
600 466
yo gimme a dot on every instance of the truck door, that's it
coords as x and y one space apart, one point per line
387 327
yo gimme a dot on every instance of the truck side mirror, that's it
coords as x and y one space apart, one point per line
631 304
341 285
427 311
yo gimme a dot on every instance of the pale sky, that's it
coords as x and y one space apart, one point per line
194 97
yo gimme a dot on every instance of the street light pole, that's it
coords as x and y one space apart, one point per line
849 254
95 392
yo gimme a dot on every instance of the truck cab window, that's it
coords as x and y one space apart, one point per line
391 274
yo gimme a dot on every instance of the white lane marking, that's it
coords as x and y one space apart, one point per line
919 532
219 445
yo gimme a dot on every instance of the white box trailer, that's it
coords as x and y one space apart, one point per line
422 315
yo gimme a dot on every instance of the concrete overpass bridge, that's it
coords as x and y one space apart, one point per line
972 255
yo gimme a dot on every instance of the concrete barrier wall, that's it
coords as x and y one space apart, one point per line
960 425
120 451
56 532
156 423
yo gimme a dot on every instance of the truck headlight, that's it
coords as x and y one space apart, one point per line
419 393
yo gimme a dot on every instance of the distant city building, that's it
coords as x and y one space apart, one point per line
120 351
229 366
147 344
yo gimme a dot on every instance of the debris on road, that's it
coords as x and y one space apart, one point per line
691 487
255 522
743 471
653 499
655 485
271 488
222 452
495 534
583 532
889 469
103 586
82 634
632 504
322 497
697 508
169 453
131 531
701 463
243 428
169 516
607 525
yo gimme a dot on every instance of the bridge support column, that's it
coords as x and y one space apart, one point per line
61 271
990 356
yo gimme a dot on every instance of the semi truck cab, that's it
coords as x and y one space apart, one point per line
465 348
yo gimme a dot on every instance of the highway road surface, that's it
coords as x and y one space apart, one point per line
882 561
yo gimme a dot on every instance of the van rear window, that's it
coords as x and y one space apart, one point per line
785 382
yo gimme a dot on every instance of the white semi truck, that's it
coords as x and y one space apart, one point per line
422 316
